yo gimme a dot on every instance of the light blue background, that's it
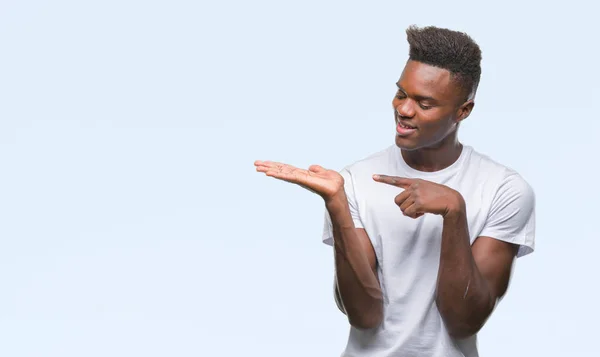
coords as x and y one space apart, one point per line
132 222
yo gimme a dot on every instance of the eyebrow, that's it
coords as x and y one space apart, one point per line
420 98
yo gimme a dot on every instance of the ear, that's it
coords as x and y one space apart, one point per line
465 110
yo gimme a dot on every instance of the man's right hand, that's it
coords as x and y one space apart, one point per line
326 183
358 292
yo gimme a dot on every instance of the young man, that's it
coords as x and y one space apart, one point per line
424 232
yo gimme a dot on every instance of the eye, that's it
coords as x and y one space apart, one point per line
425 107
400 94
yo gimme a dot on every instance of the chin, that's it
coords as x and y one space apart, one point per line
407 144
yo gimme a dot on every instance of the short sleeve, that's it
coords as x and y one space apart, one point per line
512 215
349 187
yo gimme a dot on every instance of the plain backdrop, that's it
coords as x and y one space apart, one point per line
132 222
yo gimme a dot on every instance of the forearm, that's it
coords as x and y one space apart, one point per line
358 286
463 296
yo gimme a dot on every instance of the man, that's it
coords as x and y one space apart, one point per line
425 232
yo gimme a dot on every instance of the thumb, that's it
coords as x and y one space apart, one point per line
316 169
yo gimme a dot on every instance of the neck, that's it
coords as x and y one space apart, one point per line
434 158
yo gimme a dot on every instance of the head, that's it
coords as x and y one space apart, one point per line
436 90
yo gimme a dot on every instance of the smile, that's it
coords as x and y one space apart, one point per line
406 126
404 129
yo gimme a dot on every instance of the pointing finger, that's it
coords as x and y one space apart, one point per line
393 180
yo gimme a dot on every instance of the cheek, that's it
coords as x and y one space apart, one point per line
434 123
432 118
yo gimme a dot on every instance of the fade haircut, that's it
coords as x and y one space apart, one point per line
451 50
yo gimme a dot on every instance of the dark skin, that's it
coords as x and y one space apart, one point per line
471 278
357 285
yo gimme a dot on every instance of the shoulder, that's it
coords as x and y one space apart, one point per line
358 175
510 213
371 163
502 177
512 198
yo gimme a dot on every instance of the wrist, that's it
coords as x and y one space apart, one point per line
456 207
336 199
338 209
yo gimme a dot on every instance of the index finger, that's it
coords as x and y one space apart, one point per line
393 180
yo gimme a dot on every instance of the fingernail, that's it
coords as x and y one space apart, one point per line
376 177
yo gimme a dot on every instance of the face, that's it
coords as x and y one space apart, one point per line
427 107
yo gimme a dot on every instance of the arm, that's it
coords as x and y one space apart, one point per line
356 281
470 279
357 291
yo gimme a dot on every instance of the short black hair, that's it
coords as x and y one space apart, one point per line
451 50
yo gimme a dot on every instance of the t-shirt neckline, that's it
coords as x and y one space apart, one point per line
414 173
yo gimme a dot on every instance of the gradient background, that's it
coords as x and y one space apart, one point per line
132 222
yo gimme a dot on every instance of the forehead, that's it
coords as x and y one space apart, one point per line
425 80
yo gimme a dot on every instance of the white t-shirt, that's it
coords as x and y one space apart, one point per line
500 204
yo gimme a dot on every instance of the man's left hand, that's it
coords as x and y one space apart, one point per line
421 196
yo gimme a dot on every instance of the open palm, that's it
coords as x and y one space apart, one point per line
326 183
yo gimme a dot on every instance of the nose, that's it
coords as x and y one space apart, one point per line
405 108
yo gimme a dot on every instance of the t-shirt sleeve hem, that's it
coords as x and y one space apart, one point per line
328 236
526 244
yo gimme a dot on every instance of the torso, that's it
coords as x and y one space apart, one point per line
408 252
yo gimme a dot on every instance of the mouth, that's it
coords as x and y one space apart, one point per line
403 129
